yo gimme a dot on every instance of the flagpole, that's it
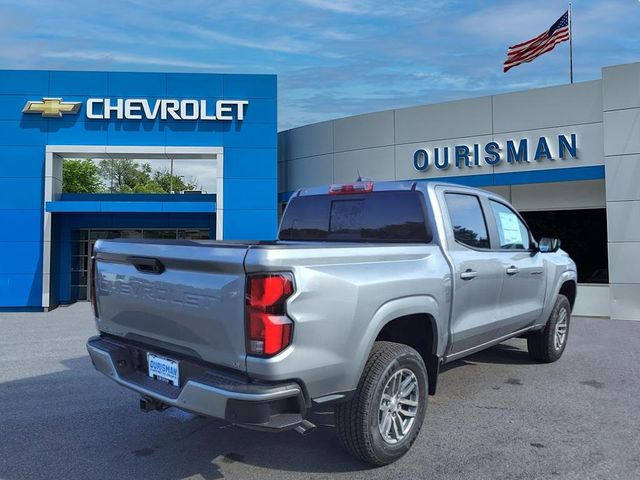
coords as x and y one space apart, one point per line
570 44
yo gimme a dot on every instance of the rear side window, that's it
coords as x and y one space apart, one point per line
512 231
393 216
467 219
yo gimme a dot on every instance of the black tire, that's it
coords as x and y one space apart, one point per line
357 421
542 345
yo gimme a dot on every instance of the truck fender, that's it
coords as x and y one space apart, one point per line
568 275
396 308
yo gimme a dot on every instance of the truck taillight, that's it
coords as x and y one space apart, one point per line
92 286
357 187
268 328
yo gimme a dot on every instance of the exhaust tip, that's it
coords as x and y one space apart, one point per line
305 427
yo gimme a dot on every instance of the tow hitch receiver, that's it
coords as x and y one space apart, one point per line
148 404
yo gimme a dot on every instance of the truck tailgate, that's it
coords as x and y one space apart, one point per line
183 297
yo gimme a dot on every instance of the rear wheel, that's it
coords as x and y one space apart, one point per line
548 344
383 418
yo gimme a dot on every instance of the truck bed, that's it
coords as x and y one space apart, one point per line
188 297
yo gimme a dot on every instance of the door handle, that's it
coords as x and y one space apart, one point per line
512 270
468 274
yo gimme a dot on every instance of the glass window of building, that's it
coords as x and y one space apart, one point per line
583 234
129 175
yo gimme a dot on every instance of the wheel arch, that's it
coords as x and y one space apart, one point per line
422 310
569 289
417 330
420 332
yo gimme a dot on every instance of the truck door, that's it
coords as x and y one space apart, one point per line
477 275
523 289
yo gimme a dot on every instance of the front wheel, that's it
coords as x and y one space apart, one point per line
548 344
383 418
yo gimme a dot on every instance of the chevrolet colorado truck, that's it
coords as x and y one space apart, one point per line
368 291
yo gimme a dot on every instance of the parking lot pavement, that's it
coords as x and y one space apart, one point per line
496 415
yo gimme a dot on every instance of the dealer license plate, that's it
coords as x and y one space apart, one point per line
163 369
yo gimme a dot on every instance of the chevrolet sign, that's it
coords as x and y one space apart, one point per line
51 107
142 109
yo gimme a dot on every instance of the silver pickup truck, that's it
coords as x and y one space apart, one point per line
368 291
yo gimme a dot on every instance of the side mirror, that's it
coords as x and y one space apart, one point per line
548 245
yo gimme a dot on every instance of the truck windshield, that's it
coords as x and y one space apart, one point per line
390 216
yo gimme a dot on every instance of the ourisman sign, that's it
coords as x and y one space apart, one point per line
493 153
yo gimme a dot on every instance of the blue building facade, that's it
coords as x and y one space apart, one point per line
46 116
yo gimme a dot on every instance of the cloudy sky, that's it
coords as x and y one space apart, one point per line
333 57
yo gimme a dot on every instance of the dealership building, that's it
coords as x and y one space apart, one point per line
222 125
568 157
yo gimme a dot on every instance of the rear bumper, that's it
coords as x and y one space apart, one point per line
209 392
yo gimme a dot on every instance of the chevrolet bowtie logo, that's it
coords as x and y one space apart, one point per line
51 107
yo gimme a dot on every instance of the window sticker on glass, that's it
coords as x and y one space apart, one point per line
510 229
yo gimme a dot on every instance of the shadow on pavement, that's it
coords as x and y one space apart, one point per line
503 354
75 423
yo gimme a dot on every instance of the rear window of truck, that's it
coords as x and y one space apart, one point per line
392 216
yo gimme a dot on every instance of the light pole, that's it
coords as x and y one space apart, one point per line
171 177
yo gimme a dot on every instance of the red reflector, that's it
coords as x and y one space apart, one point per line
358 187
268 334
268 328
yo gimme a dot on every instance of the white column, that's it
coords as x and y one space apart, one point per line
220 196
52 192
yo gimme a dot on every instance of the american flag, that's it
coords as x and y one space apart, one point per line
546 41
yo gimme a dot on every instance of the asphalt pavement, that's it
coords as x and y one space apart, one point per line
496 415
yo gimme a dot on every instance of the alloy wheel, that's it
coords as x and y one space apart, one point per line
562 325
398 406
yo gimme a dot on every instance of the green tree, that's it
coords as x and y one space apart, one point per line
149 187
124 175
80 176
129 176
170 182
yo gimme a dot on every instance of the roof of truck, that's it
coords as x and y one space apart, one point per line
381 186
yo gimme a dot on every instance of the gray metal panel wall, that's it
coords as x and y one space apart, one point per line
363 131
462 118
381 145
621 105
548 107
